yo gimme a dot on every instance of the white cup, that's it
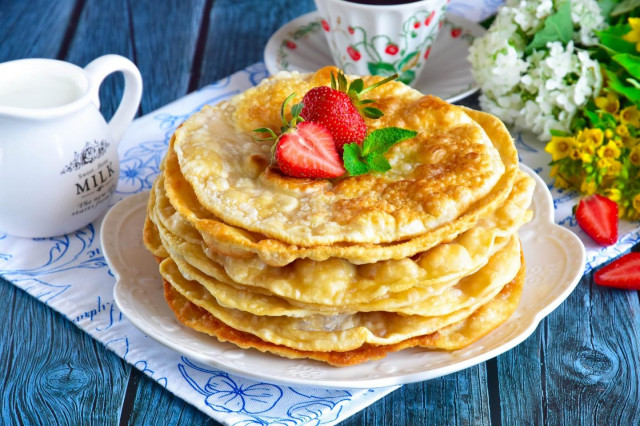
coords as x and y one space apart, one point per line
58 156
381 39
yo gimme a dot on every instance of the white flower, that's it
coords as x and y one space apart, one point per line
546 88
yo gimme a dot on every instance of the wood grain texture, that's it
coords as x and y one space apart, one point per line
164 47
457 399
28 35
53 371
168 409
239 31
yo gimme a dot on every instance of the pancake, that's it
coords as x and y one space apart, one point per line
340 270
345 284
239 242
455 336
436 177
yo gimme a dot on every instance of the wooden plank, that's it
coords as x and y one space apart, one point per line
154 405
521 372
165 45
592 357
581 365
461 398
252 22
26 34
51 369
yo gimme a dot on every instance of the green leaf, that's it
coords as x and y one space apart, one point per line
555 132
557 27
379 141
371 112
625 6
611 38
606 6
381 68
618 86
356 86
342 82
272 134
353 161
378 163
631 63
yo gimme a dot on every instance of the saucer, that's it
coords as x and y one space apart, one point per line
301 45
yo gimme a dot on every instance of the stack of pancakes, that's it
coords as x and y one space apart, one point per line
348 269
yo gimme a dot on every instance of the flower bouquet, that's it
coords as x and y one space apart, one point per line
569 71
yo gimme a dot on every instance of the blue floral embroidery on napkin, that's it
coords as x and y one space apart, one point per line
260 403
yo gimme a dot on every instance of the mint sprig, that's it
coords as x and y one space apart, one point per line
370 157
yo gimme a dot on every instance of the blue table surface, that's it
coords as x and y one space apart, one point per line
581 366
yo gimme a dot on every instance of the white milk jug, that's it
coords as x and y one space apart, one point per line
58 156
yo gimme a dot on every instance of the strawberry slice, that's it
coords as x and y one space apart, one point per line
308 151
622 273
598 217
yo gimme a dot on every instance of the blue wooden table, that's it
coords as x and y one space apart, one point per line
581 366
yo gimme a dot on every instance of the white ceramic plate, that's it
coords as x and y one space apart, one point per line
555 260
301 46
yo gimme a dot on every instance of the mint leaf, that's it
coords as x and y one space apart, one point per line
370 157
379 141
557 27
378 162
353 161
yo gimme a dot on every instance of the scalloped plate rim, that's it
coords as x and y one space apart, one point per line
111 250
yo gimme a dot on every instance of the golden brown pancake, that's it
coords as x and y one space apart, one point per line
456 336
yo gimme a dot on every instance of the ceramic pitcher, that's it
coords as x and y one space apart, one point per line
58 155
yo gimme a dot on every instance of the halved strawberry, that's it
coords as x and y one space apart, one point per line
622 273
303 149
340 109
308 150
598 217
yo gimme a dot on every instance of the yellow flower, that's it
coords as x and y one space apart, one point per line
591 137
608 133
609 151
633 36
559 147
588 188
634 156
614 168
622 130
561 183
610 103
613 194
630 115
636 202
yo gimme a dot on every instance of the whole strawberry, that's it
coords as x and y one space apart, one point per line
304 149
340 110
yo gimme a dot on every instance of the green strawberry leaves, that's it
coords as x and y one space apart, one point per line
356 89
370 157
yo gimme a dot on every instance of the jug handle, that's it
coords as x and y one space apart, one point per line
98 70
